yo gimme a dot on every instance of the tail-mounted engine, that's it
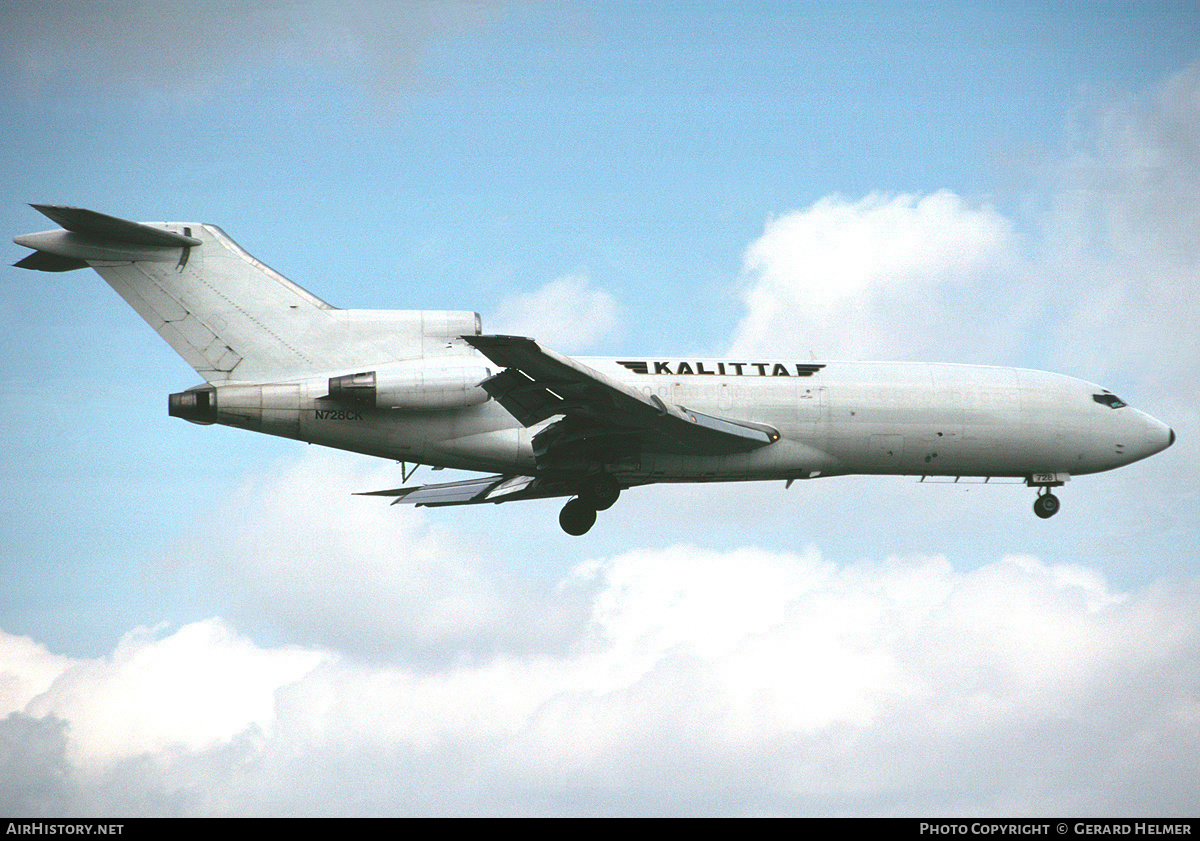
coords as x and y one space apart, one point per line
198 405
416 389
273 408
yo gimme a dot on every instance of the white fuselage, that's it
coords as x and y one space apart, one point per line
833 418
429 387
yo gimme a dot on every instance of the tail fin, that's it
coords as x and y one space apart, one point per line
231 317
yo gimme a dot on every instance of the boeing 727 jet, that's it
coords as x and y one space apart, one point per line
431 388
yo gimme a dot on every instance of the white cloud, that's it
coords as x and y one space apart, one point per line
192 690
1109 285
26 670
745 681
1123 239
566 314
884 277
299 553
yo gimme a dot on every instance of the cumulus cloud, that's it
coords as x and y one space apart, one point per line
192 690
886 277
1109 273
702 682
567 314
297 552
26 669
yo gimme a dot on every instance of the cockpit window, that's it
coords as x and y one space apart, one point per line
1109 399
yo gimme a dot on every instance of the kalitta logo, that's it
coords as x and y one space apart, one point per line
723 369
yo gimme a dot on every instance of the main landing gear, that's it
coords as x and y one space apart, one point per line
577 517
598 493
1046 505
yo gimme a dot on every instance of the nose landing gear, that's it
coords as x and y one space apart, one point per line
1046 505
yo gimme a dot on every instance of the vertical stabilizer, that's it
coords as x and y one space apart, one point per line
230 316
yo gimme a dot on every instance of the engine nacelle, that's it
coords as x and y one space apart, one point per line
273 408
198 405
412 389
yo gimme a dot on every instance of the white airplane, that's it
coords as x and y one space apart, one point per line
430 388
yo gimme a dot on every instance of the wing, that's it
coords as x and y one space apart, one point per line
493 489
599 413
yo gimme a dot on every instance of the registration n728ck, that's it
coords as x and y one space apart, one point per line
431 388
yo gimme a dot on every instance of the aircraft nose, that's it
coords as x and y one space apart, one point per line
1155 436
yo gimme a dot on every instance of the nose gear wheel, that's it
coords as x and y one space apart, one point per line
1046 505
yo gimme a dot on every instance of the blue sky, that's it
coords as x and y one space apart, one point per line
1028 176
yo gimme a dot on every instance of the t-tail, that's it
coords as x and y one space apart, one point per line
231 317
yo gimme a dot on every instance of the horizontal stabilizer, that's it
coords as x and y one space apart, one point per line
87 238
44 261
110 228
